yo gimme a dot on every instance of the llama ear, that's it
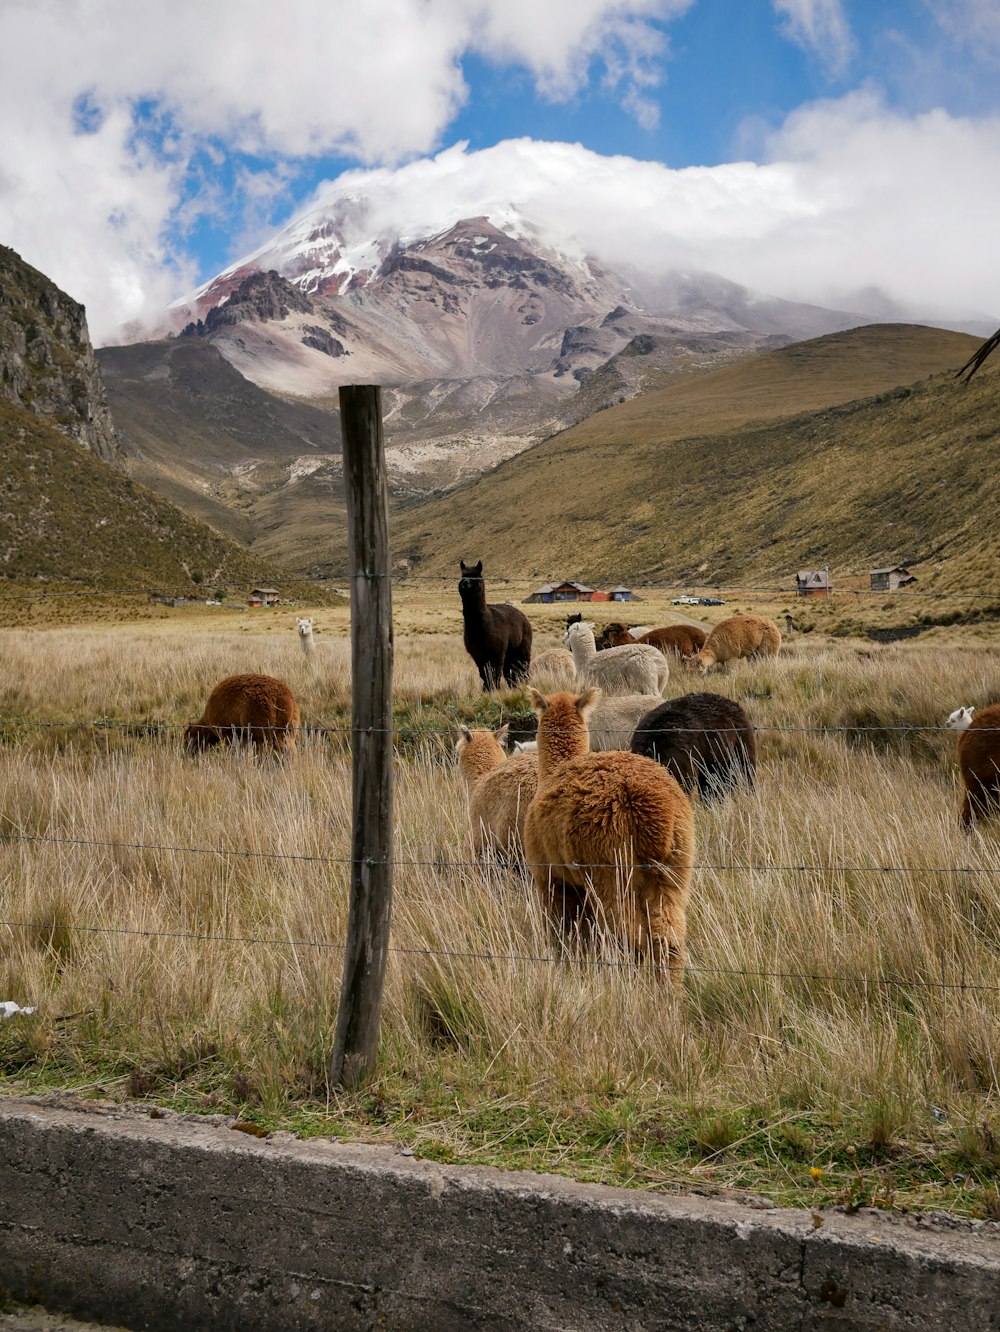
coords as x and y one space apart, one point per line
502 733
463 738
538 701
586 700
478 568
970 711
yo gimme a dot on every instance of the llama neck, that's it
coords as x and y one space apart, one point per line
478 760
583 648
473 594
560 738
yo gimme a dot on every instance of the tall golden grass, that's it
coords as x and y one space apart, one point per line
190 914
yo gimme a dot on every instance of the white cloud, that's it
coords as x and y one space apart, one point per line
110 106
378 81
857 208
819 26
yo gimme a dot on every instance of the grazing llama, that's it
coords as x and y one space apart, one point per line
680 640
251 710
706 741
500 790
609 839
739 636
497 638
979 764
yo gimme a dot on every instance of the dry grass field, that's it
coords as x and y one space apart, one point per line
179 922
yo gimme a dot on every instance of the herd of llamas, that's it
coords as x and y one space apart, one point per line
598 807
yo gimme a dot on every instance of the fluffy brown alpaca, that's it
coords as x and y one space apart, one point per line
683 640
500 790
739 636
609 838
979 764
255 710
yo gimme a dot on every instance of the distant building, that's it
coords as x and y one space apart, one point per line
813 582
264 596
888 580
621 594
565 591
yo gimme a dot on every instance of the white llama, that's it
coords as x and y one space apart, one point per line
306 640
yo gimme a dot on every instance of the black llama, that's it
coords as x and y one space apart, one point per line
704 740
497 638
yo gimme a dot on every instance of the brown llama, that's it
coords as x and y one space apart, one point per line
500 790
683 640
497 638
739 636
609 838
979 765
252 710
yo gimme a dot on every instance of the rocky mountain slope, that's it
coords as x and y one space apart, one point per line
852 450
47 364
69 510
485 339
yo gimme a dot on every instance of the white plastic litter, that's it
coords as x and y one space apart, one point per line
9 1009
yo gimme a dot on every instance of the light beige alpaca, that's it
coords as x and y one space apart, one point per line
739 636
612 720
635 668
553 669
609 839
500 790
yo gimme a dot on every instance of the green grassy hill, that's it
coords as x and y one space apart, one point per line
68 517
840 450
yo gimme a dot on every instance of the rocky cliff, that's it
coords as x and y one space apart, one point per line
47 364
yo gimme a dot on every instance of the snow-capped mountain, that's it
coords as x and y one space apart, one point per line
486 336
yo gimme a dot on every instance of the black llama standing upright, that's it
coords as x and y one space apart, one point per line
497 638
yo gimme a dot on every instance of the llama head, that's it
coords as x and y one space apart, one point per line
305 625
525 746
960 719
696 662
198 738
581 703
579 631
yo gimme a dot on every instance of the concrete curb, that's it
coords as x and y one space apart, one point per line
176 1223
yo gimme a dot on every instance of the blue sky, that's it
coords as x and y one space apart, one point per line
158 143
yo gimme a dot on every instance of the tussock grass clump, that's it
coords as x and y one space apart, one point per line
180 923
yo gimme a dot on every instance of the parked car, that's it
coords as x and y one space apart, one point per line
697 601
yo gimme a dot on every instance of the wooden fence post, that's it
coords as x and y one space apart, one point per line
356 1038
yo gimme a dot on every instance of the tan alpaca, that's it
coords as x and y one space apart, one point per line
739 636
609 838
979 764
500 790
553 669
255 710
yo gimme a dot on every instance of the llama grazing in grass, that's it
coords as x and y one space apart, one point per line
553 669
680 640
739 636
609 839
706 741
979 764
251 710
635 668
306 640
500 790
497 638
613 718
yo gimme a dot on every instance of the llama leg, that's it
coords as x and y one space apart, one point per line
980 800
